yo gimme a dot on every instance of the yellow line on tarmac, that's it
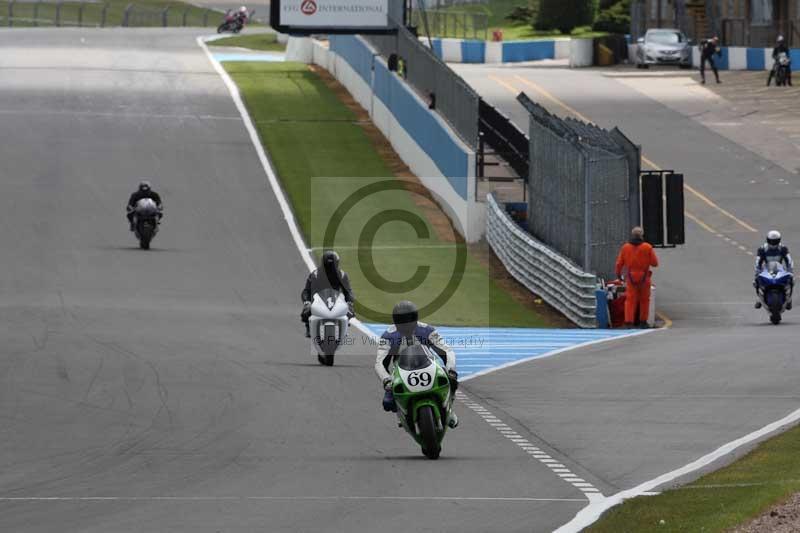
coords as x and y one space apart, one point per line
665 318
689 188
510 88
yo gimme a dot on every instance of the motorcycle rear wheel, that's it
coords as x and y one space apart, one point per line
427 430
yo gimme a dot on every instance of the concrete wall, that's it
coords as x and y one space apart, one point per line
736 57
473 51
422 139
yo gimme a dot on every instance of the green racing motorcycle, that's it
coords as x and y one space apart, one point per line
423 395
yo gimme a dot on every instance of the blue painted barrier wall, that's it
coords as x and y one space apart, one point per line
420 123
515 51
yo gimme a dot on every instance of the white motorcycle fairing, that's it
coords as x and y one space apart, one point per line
328 323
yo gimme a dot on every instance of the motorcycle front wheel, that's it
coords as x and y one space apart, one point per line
221 28
427 429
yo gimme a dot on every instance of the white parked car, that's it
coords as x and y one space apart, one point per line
664 47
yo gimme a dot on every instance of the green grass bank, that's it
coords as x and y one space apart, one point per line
717 501
323 157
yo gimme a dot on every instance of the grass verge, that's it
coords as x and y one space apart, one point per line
145 13
260 41
323 155
498 10
717 501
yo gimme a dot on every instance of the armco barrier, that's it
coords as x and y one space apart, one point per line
543 271
422 139
474 51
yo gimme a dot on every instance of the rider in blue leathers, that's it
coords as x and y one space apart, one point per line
407 330
773 251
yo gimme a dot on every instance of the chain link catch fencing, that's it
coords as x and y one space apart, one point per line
583 188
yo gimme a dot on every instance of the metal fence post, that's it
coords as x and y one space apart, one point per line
36 12
103 13
80 15
58 13
587 215
126 15
164 15
205 18
11 13
185 14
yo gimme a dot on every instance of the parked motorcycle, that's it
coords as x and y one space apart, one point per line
328 323
774 286
423 396
146 216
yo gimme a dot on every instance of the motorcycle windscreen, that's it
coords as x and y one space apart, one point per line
414 357
328 294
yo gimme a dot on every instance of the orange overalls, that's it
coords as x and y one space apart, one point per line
637 259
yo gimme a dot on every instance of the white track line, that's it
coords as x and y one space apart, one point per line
272 177
589 490
589 514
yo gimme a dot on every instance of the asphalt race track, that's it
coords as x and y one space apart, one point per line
632 410
173 390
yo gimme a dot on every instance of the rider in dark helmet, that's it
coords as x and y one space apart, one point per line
327 276
407 330
773 251
145 190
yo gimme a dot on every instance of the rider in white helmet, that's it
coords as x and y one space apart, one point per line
241 16
773 251
780 48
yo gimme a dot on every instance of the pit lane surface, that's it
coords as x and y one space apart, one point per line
172 390
641 407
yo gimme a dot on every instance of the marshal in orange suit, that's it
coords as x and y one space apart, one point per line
637 258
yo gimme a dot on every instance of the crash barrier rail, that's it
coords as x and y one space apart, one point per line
456 24
445 91
743 32
542 270
95 14
583 187
507 141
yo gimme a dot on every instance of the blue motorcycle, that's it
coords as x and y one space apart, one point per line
774 285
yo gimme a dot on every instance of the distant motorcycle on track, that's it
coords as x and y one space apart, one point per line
146 217
234 21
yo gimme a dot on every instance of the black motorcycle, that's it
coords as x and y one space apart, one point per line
146 217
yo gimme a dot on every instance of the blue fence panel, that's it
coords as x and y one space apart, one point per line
357 55
437 48
429 134
473 51
722 62
381 86
528 50
755 59
794 55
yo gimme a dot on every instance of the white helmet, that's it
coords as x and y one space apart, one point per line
774 238
780 38
242 9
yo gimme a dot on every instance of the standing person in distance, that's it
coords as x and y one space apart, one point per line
708 49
